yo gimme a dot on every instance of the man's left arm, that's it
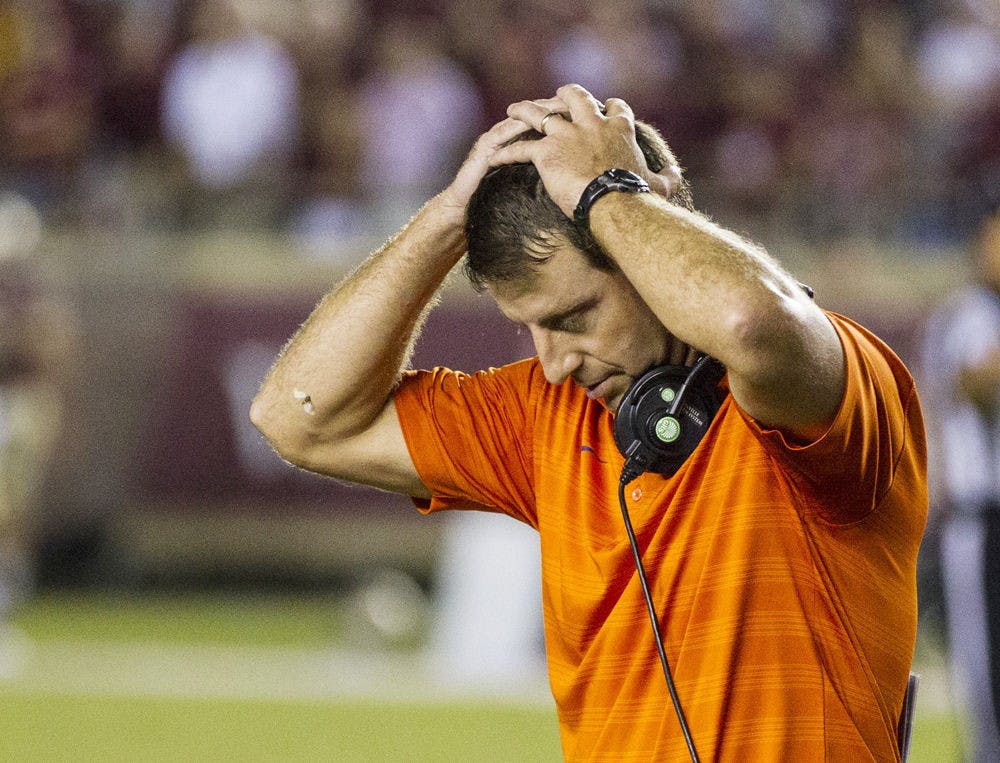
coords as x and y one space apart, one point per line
726 297
708 286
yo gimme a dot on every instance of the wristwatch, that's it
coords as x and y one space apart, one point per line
611 180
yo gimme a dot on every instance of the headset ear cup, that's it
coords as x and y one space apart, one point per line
658 430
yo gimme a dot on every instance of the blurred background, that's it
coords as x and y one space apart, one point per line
181 180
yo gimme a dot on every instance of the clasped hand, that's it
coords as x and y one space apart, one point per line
582 139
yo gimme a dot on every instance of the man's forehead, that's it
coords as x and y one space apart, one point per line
538 299
519 298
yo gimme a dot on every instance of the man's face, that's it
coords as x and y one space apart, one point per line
587 324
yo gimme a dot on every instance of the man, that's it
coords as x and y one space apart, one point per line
961 374
782 553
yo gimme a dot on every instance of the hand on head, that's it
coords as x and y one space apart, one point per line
479 161
583 138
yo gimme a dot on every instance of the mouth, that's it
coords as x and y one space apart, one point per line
601 389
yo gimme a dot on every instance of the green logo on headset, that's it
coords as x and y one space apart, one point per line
668 429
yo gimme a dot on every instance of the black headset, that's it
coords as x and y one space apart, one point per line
665 413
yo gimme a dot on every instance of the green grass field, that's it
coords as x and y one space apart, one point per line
256 678
38 727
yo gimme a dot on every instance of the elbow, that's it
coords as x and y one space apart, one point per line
286 438
259 416
301 435
766 338
267 424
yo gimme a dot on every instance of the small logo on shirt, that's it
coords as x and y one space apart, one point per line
588 449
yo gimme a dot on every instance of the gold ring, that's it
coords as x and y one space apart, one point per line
545 119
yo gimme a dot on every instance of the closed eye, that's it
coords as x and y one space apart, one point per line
573 324
572 321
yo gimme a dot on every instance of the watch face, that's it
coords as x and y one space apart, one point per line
626 184
623 180
626 177
615 179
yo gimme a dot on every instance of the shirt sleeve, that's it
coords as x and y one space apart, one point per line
849 468
470 437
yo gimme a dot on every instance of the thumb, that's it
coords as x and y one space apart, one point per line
665 182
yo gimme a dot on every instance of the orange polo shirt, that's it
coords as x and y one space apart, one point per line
784 576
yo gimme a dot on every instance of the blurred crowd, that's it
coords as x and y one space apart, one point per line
331 119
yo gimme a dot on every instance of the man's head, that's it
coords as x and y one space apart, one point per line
587 321
512 222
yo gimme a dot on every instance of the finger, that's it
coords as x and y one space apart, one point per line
535 113
505 130
478 158
664 183
658 185
548 104
550 120
580 102
499 134
616 107
521 152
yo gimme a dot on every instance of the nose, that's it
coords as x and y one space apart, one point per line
559 357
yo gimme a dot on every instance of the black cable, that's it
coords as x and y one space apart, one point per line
628 474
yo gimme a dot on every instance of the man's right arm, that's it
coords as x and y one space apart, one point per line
326 404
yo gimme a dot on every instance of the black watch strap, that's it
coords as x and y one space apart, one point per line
610 180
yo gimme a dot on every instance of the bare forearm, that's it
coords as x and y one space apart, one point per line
711 288
327 405
337 372
728 298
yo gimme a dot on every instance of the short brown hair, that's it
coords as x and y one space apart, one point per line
512 223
